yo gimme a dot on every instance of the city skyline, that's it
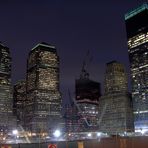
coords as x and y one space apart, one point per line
73 71
74 27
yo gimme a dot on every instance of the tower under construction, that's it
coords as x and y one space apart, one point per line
87 97
82 111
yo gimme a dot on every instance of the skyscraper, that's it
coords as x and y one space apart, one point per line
115 106
19 95
137 36
115 78
43 104
7 121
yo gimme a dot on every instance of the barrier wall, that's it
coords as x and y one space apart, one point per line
115 142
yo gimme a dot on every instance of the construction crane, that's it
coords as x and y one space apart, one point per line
87 60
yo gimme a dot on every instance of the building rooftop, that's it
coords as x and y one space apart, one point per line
44 45
136 11
1 44
114 61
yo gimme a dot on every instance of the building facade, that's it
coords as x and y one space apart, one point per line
19 95
7 120
137 36
115 107
43 103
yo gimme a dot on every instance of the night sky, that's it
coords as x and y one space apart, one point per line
73 26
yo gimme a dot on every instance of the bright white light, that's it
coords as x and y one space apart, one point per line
57 133
89 135
47 137
15 132
143 131
98 134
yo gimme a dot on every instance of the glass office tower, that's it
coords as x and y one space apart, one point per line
7 121
137 36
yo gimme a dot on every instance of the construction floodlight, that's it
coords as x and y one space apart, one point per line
57 133
15 132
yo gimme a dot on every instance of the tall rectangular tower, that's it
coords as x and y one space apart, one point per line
43 104
137 36
115 109
7 121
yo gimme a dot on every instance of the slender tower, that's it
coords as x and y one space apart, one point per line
137 38
43 104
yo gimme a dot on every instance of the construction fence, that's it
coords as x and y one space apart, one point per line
114 142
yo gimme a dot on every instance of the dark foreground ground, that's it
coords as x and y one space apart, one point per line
114 142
